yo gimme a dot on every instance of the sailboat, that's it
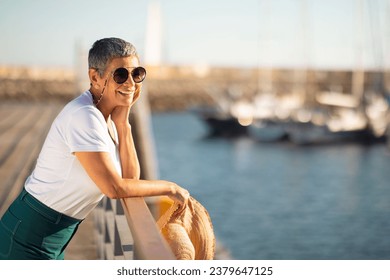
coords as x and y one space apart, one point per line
357 116
230 114
270 109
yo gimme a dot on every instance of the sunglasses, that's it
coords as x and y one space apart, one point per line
121 75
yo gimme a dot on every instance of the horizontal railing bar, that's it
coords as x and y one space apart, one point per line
150 244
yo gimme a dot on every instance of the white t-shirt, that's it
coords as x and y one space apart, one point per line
59 180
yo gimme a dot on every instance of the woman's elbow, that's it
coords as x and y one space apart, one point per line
113 191
120 188
112 195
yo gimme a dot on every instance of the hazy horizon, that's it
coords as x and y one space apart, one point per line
313 34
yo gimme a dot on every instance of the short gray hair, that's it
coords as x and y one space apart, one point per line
104 50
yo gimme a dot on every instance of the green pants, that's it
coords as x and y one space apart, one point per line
31 230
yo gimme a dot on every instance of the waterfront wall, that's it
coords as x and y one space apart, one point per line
179 88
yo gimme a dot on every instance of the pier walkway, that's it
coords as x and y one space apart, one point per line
124 229
23 128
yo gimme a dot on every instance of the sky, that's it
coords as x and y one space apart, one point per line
227 33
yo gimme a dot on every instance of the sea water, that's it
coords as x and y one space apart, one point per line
279 200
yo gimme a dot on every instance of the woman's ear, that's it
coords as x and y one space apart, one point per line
94 78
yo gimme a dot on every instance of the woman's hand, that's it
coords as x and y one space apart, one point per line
137 94
120 115
179 194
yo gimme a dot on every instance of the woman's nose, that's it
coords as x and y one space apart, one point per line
130 81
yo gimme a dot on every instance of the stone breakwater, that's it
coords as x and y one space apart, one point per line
36 84
36 90
180 88
162 96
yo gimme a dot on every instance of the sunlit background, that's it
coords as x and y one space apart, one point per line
274 114
251 33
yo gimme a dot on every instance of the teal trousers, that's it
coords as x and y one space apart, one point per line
31 230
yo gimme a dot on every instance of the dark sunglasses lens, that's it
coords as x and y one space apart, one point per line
121 75
138 74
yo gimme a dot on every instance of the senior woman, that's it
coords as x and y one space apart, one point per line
89 152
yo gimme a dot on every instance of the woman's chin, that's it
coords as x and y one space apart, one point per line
126 102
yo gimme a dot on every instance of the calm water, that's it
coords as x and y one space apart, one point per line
279 201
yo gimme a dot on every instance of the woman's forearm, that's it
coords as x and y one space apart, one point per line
101 170
136 188
130 185
128 154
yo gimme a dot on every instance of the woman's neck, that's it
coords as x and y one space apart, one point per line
102 105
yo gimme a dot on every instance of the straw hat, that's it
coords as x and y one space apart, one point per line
188 231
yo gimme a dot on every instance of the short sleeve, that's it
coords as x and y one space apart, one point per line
87 131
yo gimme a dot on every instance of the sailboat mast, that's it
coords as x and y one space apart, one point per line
358 72
265 66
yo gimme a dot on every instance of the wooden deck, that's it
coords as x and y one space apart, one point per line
23 128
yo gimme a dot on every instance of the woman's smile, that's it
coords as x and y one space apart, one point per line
126 93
